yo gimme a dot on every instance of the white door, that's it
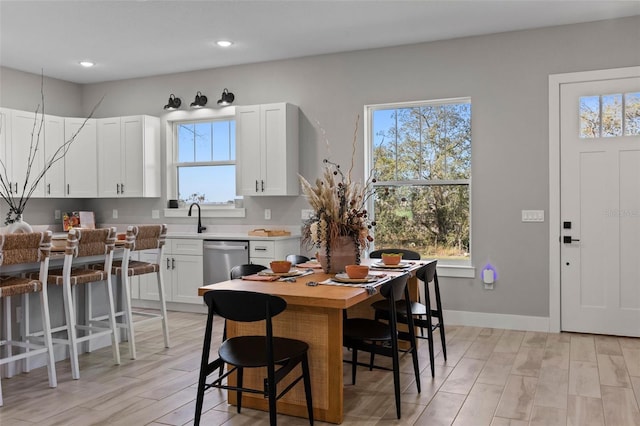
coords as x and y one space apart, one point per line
600 206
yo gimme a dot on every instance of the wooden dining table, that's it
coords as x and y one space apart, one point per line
314 314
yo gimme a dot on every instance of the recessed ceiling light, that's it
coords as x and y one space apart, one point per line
87 64
224 43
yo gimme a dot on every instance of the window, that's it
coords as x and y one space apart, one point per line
420 154
610 115
205 161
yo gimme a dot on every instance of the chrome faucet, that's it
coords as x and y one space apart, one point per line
200 227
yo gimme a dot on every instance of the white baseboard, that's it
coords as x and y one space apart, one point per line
483 319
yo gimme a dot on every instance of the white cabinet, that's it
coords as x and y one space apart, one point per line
267 149
25 153
182 272
81 179
5 140
54 141
262 252
129 157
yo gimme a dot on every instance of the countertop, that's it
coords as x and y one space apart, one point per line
232 236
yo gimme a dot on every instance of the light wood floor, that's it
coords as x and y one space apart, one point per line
492 377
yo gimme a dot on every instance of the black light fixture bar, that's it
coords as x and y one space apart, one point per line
173 103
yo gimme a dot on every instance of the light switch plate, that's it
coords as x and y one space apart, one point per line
115 213
56 214
533 215
267 214
155 214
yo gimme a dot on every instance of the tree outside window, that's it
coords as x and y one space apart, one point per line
421 158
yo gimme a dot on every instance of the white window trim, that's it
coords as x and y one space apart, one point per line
456 269
207 210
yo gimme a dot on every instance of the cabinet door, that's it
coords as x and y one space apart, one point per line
109 157
5 141
187 277
53 148
133 161
27 146
147 286
249 160
274 134
81 176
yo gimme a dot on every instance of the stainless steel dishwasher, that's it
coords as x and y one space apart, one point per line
220 256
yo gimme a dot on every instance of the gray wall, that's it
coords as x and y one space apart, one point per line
506 76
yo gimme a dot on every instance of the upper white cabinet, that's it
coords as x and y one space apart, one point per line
129 157
81 180
267 149
54 141
27 145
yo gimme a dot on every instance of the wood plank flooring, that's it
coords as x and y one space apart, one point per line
492 377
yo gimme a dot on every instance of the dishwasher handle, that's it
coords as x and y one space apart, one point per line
224 248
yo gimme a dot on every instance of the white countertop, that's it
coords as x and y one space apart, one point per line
240 236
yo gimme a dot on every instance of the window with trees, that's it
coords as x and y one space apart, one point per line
610 115
205 161
420 155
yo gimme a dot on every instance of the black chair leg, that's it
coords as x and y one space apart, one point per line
307 387
204 362
224 337
273 414
354 365
396 379
442 339
240 372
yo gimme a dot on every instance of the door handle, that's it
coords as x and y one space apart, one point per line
568 240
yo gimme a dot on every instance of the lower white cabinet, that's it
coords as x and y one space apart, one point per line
182 272
262 252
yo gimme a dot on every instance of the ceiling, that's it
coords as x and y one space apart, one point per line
140 38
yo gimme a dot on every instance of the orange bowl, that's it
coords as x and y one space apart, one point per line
391 258
280 266
356 271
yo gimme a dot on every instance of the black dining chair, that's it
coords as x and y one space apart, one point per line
240 271
406 254
422 314
296 258
381 338
279 355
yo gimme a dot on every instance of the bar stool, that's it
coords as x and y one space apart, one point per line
142 237
422 313
17 249
83 243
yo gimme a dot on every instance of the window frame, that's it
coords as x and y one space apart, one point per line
452 268
171 132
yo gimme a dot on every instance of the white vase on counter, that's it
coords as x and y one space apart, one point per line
17 227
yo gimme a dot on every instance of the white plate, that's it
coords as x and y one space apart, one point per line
291 273
400 265
344 278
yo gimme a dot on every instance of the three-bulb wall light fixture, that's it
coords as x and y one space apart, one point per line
173 102
226 98
201 100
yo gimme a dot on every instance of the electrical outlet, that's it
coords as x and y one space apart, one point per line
56 214
115 213
533 215
155 214
267 214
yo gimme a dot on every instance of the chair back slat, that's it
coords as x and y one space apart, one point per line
24 248
146 237
406 254
244 306
394 289
427 273
240 271
90 242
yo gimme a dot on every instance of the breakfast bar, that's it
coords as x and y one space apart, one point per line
314 314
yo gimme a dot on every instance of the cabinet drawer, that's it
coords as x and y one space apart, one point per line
185 246
262 249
